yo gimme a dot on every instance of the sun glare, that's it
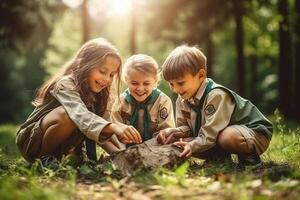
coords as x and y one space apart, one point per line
120 7
115 8
73 3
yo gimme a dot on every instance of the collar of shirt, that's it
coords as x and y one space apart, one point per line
199 93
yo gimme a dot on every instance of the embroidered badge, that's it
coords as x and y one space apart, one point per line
186 114
163 113
125 116
209 109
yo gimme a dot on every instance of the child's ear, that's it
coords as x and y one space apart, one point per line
202 73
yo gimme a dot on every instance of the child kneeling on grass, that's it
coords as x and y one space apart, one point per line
142 105
217 121
69 108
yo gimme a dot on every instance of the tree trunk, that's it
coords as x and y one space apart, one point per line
297 61
86 26
133 28
146 156
253 78
239 42
285 64
210 55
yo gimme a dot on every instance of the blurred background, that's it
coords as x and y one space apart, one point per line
252 46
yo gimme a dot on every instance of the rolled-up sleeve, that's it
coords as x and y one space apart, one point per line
87 122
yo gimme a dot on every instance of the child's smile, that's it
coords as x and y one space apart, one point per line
140 85
101 85
101 76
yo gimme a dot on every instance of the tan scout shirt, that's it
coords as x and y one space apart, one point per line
87 122
161 113
218 108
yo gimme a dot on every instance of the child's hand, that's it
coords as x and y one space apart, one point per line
128 134
168 136
162 136
187 149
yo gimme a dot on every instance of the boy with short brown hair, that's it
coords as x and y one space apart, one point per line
219 120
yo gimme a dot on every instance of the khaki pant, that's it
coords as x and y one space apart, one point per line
253 138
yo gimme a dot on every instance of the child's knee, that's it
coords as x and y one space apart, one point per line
230 139
62 115
59 117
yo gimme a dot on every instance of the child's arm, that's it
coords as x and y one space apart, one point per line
110 147
181 118
117 117
217 112
170 135
126 134
93 126
165 115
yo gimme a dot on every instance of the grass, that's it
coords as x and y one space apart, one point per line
281 180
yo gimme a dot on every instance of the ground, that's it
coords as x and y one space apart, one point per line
279 178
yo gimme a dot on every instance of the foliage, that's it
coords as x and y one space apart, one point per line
38 37
63 42
69 179
25 27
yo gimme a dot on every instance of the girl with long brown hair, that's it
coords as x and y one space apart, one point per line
69 108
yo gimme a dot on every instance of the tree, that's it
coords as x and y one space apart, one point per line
238 11
189 21
297 60
133 27
25 27
285 65
86 28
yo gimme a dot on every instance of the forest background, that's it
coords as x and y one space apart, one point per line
251 45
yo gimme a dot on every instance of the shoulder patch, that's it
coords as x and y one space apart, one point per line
209 109
186 114
125 115
163 113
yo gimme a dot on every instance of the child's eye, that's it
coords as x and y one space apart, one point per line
102 71
180 83
146 84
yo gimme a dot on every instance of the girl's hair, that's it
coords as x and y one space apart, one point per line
183 59
93 52
142 63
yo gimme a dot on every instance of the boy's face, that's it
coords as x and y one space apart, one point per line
188 85
140 84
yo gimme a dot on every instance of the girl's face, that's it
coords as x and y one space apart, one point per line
140 84
101 76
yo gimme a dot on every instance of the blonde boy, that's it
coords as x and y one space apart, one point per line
219 121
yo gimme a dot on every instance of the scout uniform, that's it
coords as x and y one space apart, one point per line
155 114
213 109
29 137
